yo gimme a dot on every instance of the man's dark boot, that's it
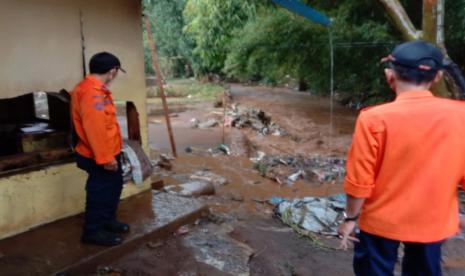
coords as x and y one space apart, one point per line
103 238
116 227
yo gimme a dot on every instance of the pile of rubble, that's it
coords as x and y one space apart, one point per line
242 117
287 169
255 119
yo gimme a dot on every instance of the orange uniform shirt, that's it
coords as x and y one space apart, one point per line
407 158
94 118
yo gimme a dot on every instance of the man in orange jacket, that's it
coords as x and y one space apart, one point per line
98 150
406 160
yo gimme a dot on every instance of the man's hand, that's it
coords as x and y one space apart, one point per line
346 233
111 166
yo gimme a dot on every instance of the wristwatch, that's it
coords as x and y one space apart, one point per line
347 218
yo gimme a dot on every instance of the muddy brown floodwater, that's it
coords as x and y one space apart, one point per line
240 206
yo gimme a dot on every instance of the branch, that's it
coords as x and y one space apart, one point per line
440 9
401 19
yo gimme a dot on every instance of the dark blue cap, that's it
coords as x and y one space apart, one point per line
103 62
417 54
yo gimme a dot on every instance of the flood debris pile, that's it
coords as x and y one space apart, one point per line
243 117
287 169
256 119
320 215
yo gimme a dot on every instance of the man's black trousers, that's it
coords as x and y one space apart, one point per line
377 256
103 191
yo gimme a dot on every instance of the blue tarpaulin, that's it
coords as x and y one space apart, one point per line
301 9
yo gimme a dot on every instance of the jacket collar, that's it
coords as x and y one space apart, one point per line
414 94
97 84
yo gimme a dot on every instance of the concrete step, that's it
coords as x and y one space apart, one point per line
55 248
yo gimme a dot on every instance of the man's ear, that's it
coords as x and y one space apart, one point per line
390 78
438 77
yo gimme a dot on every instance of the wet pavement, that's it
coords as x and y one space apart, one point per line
56 246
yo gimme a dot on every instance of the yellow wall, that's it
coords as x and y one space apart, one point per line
35 198
40 49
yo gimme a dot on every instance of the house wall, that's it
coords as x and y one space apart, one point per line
41 50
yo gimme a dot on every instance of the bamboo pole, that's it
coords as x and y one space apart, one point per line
156 68
224 117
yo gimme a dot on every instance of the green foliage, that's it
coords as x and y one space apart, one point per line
211 24
174 48
251 40
184 91
455 30
277 44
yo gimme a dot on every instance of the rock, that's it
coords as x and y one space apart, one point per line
191 189
208 176
208 124
156 244
235 197
182 230
194 123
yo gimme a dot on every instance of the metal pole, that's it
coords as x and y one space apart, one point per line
156 68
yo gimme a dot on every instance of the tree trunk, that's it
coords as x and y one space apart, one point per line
430 22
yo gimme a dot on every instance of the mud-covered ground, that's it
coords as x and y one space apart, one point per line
242 236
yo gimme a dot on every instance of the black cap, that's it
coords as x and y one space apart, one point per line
417 54
103 62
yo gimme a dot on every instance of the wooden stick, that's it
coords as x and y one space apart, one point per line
156 68
224 115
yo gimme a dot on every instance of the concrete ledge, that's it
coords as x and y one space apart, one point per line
56 249
32 199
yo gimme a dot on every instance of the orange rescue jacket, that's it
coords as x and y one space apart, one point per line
94 117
